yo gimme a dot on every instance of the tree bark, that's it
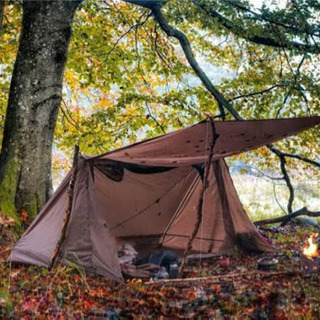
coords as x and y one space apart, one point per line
2 5
34 100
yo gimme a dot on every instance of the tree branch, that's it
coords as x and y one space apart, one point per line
288 182
222 102
155 119
67 115
258 39
134 26
296 156
251 94
264 17
286 177
150 4
186 47
285 219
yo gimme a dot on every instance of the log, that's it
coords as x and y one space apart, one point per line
69 207
285 219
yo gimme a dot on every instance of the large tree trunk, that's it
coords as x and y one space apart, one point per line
34 100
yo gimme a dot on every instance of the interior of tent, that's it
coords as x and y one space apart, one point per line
149 195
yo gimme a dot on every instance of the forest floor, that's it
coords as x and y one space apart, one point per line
239 291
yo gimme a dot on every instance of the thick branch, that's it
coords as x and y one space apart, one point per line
150 4
285 219
258 39
155 6
185 44
186 47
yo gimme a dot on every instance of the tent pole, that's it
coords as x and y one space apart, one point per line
69 206
205 184
178 211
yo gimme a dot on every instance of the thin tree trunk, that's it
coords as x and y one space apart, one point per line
34 100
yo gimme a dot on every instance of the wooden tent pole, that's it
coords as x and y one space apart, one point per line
69 206
205 184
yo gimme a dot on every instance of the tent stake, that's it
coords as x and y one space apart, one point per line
69 207
205 183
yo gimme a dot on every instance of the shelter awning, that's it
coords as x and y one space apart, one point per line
191 145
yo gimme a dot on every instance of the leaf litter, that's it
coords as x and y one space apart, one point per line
209 291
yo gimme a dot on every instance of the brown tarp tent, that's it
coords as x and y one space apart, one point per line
148 193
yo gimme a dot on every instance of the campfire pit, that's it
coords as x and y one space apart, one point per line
310 257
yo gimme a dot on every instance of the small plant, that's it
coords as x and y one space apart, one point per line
6 305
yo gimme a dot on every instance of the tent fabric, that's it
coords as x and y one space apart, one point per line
148 194
191 145
88 242
36 244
